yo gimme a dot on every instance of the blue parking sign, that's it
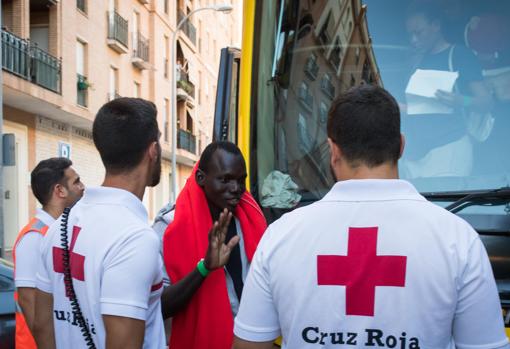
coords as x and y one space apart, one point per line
64 150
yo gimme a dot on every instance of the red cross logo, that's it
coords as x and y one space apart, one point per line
361 271
76 260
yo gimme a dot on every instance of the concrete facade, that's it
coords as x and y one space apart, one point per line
50 108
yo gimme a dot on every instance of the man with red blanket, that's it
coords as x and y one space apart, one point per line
207 263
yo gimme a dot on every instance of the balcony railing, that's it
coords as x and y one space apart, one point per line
26 60
188 28
185 84
187 141
117 28
141 47
82 86
311 68
140 57
327 87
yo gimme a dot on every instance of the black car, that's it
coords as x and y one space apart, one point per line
7 307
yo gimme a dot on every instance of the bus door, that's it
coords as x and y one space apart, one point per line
226 109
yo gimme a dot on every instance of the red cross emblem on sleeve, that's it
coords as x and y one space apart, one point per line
361 271
76 260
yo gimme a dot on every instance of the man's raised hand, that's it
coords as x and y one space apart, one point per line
218 252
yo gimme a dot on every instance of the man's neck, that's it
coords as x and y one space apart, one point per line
131 181
215 212
53 210
384 171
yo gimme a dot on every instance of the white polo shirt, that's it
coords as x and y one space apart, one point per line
27 252
373 264
115 265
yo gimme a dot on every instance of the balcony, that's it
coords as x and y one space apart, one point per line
188 28
305 98
117 32
185 88
140 57
187 141
327 87
82 86
24 59
311 68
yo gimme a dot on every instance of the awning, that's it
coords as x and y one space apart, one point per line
189 56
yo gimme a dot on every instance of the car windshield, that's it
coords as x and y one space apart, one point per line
447 64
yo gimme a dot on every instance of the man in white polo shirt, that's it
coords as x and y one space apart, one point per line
373 264
56 185
100 279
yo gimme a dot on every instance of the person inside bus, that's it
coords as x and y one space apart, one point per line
440 144
207 266
487 35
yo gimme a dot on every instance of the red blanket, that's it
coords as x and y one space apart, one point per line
207 322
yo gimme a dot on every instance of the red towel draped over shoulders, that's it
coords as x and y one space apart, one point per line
207 321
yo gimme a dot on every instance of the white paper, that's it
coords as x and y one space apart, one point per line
421 91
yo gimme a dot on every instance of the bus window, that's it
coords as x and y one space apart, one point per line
446 62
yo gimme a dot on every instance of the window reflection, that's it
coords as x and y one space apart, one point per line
456 131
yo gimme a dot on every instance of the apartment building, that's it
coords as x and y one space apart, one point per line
62 60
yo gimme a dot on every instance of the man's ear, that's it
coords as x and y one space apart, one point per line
200 177
336 153
60 191
154 151
402 145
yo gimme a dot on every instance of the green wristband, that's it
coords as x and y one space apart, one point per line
201 268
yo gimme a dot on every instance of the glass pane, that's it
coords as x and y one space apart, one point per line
448 66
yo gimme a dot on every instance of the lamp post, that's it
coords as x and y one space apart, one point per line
220 8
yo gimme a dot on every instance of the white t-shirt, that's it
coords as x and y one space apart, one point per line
27 250
372 264
115 263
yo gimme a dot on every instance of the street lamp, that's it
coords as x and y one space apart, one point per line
220 8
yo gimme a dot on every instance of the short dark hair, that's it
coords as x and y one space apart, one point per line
46 175
432 10
207 154
365 123
122 131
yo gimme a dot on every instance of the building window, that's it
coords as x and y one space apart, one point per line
336 54
328 30
166 5
311 67
137 90
166 112
165 57
323 113
189 123
207 40
114 83
327 86
82 85
305 96
199 87
200 36
81 5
